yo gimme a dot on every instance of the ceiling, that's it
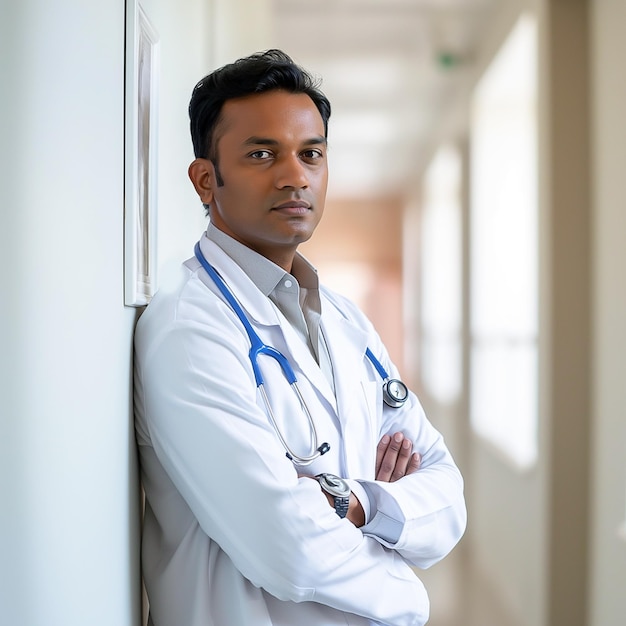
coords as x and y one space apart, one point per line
390 68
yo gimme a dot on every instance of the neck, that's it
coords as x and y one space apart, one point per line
285 260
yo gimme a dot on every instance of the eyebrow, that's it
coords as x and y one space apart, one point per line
267 141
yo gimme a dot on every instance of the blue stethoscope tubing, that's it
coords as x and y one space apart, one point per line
395 392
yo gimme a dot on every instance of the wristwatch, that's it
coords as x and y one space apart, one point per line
339 489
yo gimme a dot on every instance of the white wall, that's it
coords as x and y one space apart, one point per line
69 489
69 521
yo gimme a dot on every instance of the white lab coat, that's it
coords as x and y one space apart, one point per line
232 536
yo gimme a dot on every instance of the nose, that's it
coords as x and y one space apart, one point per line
291 172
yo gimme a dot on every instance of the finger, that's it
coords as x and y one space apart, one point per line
381 449
402 462
414 463
390 458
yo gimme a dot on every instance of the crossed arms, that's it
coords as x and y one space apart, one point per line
394 459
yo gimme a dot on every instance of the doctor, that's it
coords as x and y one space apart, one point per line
267 503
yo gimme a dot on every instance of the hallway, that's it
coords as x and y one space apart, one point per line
504 308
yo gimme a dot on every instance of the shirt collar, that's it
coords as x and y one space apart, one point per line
265 274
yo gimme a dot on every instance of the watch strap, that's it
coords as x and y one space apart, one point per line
341 506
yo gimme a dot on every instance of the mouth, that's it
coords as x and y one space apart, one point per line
294 207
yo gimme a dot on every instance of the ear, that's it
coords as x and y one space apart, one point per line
202 175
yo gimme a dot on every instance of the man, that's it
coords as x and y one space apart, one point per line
248 521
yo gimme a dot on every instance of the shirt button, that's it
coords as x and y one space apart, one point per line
288 283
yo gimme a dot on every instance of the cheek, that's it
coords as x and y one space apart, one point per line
236 196
319 180
252 187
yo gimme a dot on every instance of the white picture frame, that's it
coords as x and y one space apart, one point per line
140 162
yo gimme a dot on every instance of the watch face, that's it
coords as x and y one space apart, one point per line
334 485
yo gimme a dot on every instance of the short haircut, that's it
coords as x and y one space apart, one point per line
255 74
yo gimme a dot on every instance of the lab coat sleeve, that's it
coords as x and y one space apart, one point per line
201 416
422 516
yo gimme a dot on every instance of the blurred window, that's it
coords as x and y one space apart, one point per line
504 249
441 277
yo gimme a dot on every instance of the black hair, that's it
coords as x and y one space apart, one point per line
255 74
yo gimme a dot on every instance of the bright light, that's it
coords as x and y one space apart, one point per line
441 277
504 255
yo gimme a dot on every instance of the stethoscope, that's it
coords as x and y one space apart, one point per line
395 392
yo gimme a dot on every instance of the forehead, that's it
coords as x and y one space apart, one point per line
272 114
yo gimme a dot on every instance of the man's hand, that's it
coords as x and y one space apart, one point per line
395 458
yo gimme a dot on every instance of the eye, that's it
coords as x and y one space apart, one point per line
260 154
313 154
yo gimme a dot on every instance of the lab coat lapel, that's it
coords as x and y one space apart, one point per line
301 355
347 344
261 312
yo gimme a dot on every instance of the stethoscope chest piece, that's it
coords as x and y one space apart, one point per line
395 393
